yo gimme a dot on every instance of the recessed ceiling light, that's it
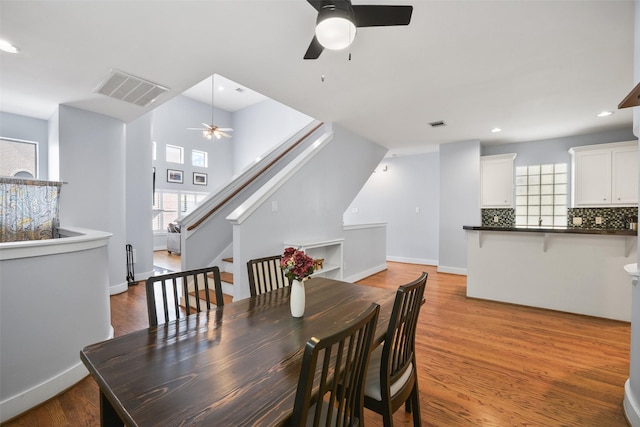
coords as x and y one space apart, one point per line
605 113
496 130
5 46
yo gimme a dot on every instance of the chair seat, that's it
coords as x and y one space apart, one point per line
372 386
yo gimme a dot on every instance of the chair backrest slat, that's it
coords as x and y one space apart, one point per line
333 374
173 286
265 275
398 351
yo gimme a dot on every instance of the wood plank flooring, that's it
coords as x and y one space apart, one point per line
480 363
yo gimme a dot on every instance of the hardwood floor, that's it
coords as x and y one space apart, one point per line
480 363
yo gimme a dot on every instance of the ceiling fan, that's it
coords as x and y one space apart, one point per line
209 131
338 19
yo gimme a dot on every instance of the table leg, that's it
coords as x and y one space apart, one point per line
108 415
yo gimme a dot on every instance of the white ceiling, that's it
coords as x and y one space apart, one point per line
536 69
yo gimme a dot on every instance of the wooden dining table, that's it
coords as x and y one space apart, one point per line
234 365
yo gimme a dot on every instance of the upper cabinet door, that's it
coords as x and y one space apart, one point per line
605 175
624 183
496 176
592 183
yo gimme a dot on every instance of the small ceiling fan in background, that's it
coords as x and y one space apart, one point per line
338 19
209 131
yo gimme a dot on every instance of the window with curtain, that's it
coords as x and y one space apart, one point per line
18 158
28 209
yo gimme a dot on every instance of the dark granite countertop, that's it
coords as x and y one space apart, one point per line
565 230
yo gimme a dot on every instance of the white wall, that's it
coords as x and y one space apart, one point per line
260 127
139 199
632 387
93 163
407 197
169 126
459 202
310 205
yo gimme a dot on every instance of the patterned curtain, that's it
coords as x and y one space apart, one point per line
28 209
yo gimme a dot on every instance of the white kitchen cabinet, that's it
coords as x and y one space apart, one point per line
496 181
605 175
624 186
329 250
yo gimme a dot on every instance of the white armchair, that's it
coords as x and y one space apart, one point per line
173 238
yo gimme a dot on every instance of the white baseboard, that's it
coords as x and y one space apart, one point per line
118 288
422 261
143 276
28 399
361 275
452 270
631 406
34 396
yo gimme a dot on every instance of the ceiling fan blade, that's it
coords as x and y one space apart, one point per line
314 50
207 126
200 129
317 4
226 135
226 129
381 16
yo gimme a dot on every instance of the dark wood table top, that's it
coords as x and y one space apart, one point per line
232 366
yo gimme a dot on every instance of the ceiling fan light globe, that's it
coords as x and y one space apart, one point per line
335 32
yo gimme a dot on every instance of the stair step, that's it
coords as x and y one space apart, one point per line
212 296
227 260
225 276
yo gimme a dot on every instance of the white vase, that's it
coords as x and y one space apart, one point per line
296 298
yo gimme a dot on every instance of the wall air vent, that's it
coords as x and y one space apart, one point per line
437 124
129 88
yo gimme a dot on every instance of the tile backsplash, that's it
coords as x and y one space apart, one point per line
611 218
506 217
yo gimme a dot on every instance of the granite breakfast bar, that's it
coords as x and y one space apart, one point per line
567 269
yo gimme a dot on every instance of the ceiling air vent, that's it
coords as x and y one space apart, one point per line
437 124
130 89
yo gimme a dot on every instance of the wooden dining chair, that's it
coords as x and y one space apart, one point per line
176 292
392 377
332 375
265 275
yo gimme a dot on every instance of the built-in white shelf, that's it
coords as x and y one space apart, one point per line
329 250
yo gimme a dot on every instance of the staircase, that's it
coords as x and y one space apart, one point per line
226 278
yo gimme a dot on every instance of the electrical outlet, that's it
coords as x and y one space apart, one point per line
354 210
598 220
577 220
496 218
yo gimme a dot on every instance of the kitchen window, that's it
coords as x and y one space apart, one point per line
541 195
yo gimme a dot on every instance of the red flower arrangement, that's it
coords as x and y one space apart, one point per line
296 264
